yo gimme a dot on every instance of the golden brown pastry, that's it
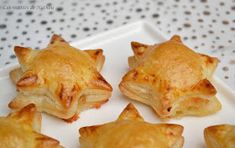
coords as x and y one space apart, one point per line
130 131
21 130
61 80
172 79
220 136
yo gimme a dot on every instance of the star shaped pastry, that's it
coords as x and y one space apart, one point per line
220 136
172 79
60 79
21 129
129 131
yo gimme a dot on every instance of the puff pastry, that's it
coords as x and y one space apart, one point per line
21 129
172 79
130 130
220 136
60 79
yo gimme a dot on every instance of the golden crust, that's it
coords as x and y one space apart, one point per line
97 56
130 130
20 129
61 80
172 79
220 136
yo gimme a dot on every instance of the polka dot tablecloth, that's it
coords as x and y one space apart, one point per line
207 26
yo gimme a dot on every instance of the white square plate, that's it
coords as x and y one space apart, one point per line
116 46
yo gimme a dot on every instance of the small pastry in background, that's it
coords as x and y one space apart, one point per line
220 136
60 79
130 130
172 79
21 129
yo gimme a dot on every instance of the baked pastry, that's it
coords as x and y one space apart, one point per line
220 136
60 79
21 129
172 79
130 130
